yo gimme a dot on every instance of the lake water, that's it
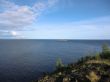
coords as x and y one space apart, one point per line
26 60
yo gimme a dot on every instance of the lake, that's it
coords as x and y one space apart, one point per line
26 60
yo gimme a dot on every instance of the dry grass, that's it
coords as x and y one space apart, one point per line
93 77
107 62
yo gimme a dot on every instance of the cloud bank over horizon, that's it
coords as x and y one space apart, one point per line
97 28
54 19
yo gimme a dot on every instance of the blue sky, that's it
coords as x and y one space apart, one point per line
54 19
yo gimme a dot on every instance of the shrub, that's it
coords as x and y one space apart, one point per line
105 51
105 48
59 63
97 56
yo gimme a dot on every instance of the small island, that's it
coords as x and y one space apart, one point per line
87 69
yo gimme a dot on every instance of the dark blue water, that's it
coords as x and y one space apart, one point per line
26 60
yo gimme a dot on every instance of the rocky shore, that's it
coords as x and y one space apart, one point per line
88 69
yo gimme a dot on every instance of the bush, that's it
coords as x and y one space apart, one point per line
59 63
105 51
97 56
105 48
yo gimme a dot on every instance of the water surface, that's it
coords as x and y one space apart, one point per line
26 60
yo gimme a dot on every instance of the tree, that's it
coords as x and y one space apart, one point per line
59 63
105 48
105 51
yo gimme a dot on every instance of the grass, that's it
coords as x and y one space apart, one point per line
103 61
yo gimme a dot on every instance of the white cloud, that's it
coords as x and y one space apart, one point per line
19 18
14 33
7 5
97 28
16 17
42 5
10 34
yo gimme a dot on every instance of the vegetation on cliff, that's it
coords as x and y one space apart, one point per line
88 69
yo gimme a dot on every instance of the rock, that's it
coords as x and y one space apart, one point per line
66 79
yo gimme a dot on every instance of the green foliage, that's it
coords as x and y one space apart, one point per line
59 63
105 51
93 68
97 56
105 48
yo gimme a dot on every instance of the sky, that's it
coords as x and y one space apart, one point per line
54 19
